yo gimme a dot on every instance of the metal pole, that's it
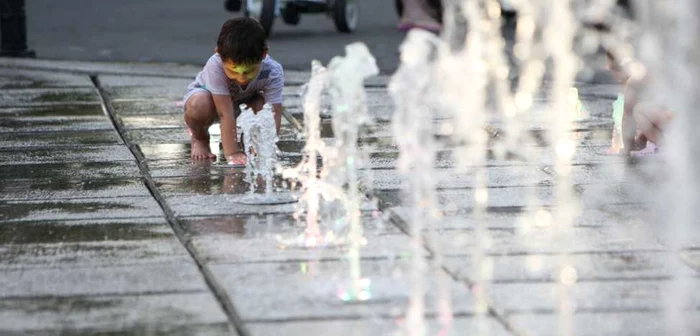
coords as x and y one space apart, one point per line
13 29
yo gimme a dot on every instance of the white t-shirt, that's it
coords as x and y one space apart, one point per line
213 79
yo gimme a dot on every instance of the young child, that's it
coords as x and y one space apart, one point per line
240 72
643 121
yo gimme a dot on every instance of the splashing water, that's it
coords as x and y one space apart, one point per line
260 140
347 76
413 130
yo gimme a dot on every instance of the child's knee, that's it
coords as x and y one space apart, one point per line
200 108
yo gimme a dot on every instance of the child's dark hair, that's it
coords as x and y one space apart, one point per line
242 40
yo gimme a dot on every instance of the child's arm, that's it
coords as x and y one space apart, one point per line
277 108
224 107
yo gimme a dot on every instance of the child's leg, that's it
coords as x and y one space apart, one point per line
200 113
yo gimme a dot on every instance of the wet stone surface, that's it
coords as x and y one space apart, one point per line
11 78
77 170
58 110
166 314
312 289
56 139
54 124
25 97
267 238
120 207
146 107
631 265
63 155
373 326
602 323
108 280
38 189
627 295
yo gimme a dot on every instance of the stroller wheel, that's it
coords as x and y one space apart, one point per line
346 14
290 14
233 5
264 12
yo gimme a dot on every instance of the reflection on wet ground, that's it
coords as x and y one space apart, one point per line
83 231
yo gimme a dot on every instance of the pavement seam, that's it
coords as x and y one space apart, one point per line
217 289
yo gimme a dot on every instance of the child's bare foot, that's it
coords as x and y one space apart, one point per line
200 150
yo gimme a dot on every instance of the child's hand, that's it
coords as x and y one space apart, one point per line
237 159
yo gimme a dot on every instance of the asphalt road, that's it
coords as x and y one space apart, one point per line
185 31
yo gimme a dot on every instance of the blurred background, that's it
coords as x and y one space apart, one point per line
185 31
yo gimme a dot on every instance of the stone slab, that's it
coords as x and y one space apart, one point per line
364 327
265 238
77 170
117 81
147 107
601 296
72 188
81 231
166 314
65 155
157 136
547 240
70 209
511 218
589 267
152 121
108 280
215 205
55 110
91 67
282 291
30 97
94 254
385 179
59 139
55 124
601 323
129 93
231 182
24 78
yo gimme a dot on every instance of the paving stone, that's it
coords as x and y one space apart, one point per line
152 121
463 199
627 295
54 124
76 170
381 179
548 240
119 207
24 78
589 267
166 314
603 323
109 280
56 110
59 139
511 218
131 93
147 107
117 68
116 81
78 231
73 188
94 254
64 155
375 326
27 97
310 290
157 136
265 238
214 205
230 183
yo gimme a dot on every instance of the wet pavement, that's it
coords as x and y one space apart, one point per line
107 227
